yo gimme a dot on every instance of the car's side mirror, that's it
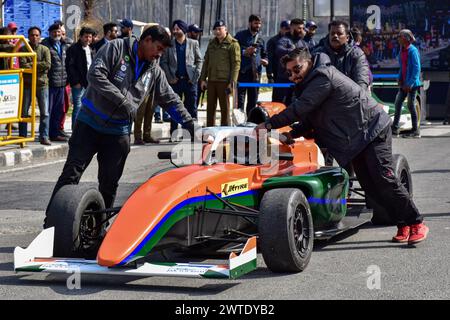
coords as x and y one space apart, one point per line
286 157
165 155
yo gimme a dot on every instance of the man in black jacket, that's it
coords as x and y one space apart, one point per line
57 81
344 55
253 58
78 61
291 41
347 58
271 47
110 32
341 116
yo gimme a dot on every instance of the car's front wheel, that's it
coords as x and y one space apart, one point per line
78 232
285 227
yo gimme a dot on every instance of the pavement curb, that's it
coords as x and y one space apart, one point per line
30 154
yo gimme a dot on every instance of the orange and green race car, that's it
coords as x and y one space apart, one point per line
230 201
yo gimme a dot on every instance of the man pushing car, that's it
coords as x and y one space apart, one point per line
124 73
343 118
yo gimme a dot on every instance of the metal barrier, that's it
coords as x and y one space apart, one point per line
11 92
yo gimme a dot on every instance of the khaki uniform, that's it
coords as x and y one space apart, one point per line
220 68
144 115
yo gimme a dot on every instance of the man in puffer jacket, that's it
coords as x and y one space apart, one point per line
125 72
57 76
341 116
346 57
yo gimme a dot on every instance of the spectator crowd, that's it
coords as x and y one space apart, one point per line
63 65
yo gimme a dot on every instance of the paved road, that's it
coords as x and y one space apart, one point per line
338 269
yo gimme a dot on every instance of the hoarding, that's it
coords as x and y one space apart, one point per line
30 13
381 20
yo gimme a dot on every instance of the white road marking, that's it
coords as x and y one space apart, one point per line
40 165
34 166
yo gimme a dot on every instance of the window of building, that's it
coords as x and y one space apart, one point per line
322 8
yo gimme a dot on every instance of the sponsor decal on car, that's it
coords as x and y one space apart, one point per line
234 187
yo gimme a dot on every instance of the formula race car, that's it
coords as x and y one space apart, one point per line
230 201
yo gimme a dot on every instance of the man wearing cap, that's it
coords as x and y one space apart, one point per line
126 28
408 81
12 27
271 47
254 57
194 32
291 41
67 40
57 81
311 29
220 72
182 64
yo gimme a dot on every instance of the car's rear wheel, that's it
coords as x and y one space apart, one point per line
286 233
402 171
78 234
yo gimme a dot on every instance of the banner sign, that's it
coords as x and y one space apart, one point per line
9 96
30 13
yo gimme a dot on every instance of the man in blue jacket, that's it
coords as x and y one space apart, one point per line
409 82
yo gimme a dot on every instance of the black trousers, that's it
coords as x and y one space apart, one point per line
283 95
375 172
112 152
252 93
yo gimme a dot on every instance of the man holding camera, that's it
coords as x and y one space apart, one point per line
254 57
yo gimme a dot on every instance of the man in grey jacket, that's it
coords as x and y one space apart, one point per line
124 73
182 63
341 116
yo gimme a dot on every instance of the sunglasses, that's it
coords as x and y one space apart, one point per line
296 70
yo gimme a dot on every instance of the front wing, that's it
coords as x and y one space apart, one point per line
38 258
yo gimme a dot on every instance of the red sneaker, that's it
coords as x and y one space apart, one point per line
418 233
402 234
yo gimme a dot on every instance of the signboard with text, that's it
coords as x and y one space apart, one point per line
30 13
381 20
9 96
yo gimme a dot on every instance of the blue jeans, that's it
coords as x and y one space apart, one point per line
188 93
77 94
401 95
42 100
56 110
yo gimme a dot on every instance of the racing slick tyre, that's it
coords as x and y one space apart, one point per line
402 171
78 234
285 228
